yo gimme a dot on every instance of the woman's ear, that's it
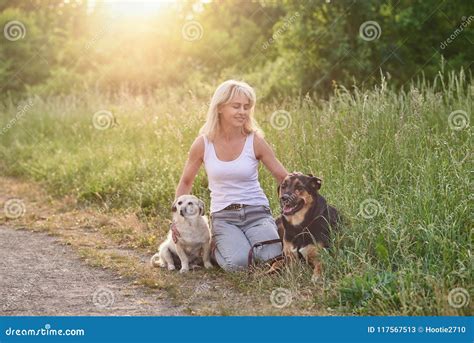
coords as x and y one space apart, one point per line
201 207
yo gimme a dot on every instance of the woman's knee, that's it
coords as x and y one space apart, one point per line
267 252
235 262
232 247
265 230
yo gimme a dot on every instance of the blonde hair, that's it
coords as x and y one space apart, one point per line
224 95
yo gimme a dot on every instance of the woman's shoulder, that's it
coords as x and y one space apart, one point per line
201 139
198 146
258 137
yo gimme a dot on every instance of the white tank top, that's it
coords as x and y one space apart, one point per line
236 181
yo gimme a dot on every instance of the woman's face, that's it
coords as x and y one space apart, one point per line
236 112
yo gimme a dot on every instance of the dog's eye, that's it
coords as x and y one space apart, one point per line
180 202
190 203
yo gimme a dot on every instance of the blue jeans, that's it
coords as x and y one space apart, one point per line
236 231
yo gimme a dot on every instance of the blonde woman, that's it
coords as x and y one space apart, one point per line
230 146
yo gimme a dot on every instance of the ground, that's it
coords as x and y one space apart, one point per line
62 258
40 276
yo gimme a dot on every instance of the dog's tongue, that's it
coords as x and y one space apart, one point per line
287 209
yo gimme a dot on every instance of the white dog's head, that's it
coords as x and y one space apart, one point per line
188 206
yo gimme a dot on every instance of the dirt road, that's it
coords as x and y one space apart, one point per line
39 276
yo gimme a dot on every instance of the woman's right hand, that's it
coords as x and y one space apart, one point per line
174 232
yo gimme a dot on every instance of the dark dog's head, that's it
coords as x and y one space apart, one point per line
297 193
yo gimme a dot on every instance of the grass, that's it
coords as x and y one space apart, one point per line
391 160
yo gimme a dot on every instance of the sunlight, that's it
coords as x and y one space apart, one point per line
128 8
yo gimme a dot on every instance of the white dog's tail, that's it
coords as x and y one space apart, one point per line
154 261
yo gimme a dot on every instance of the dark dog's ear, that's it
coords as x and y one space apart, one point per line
201 207
315 182
173 207
279 185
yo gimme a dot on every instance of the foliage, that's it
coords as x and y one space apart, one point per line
282 48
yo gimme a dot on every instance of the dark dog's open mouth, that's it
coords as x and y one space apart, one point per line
291 208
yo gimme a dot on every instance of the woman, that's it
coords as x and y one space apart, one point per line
231 145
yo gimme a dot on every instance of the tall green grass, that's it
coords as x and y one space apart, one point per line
391 161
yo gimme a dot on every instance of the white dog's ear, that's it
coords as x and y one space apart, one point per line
201 207
173 207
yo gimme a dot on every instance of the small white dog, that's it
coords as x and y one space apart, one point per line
194 239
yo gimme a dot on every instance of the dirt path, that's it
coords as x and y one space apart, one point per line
39 276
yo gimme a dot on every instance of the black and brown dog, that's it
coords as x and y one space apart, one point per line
306 221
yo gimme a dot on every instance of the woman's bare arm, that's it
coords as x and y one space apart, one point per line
191 168
265 153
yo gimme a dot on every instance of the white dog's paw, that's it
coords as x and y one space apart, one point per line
184 270
171 267
208 265
162 264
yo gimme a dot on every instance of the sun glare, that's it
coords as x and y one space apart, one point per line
130 8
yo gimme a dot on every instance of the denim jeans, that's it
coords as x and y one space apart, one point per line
236 231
